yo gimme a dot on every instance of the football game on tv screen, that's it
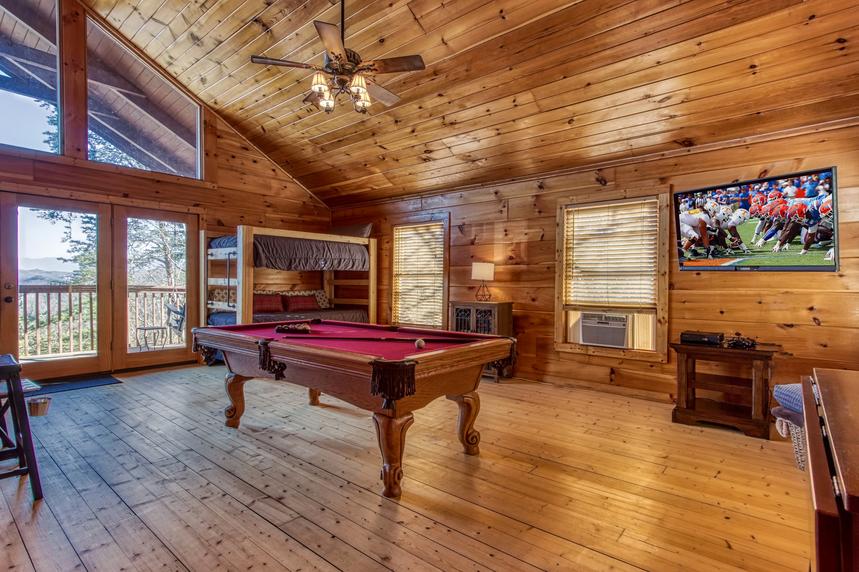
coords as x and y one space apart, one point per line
779 223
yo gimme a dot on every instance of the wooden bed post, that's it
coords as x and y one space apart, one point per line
328 284
372 284
245 275
204 277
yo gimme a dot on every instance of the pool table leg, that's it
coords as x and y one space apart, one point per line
469 407
234 384
391 432
313 396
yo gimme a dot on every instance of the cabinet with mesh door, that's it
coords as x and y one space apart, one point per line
494 318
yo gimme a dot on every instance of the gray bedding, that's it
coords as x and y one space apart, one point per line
281 253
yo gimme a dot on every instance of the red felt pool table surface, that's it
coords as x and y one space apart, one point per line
391 343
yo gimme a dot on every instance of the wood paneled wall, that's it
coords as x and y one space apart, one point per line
815 316
243 186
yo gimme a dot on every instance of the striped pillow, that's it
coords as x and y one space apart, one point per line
301 303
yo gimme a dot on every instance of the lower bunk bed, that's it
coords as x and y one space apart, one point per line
229 318
344 315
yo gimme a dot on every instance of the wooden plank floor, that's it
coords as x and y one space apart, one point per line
145 476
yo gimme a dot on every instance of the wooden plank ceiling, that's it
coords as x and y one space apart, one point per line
511 88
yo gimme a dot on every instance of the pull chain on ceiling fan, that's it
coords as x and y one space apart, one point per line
343 72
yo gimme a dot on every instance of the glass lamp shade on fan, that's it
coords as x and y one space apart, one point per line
483 271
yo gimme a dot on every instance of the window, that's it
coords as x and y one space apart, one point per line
419 283
28 75
136 117
613 290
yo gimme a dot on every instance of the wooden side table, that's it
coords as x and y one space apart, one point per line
750 417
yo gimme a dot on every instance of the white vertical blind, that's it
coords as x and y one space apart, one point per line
610 254
418 290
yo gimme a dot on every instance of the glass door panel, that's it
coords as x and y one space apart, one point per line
156 251
57 283
57 288
151 258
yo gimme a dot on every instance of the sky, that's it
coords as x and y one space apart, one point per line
39 239
17 111
22 123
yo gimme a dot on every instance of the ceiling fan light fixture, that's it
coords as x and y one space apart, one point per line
362 102
358 87
326 102
320 83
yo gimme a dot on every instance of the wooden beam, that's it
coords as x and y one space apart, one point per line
73 84
209 140
245 275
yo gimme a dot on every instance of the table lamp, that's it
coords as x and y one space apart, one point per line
483 271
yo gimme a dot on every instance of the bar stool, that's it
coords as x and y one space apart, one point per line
18 443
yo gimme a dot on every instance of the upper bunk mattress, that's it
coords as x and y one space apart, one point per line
282 253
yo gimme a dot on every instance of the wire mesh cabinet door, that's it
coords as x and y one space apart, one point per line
485 320
462 319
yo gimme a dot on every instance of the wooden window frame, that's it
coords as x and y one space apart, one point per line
660 353
444 219
72 98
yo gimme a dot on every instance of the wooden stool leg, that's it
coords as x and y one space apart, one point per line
5 441
313 396
27 452
391 432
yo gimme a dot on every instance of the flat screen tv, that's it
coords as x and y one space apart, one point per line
779 223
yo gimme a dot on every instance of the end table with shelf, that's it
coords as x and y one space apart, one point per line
751 416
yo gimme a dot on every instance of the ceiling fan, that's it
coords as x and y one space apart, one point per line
344 72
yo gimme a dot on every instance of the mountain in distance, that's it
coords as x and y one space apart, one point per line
38 276
50 264
46 270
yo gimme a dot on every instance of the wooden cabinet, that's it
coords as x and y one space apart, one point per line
494 318
751 416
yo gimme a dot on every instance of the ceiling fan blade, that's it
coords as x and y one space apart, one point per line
330 36
379 93
394 65
285 63
313 98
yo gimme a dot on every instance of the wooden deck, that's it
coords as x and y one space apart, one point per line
145 476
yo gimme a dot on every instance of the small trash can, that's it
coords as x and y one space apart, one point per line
38 406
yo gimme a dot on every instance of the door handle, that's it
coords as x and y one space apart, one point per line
8 299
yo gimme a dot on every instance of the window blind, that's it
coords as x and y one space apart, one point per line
610 254
418 289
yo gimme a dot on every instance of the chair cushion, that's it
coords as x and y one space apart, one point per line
789 396
301 303
267 303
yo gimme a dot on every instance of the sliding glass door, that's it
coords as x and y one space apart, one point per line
88 287
155 286
55 311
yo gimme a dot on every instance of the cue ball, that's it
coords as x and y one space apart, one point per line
420 344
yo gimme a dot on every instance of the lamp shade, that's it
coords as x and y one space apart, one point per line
358 85
320 84
482 271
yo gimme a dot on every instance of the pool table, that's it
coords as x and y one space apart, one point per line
388 370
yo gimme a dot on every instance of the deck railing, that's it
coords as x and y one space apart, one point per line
62 319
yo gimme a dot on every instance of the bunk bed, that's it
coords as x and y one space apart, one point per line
269 275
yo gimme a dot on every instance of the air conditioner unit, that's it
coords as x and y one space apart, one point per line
607 330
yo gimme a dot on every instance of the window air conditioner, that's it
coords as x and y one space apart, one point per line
609 330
